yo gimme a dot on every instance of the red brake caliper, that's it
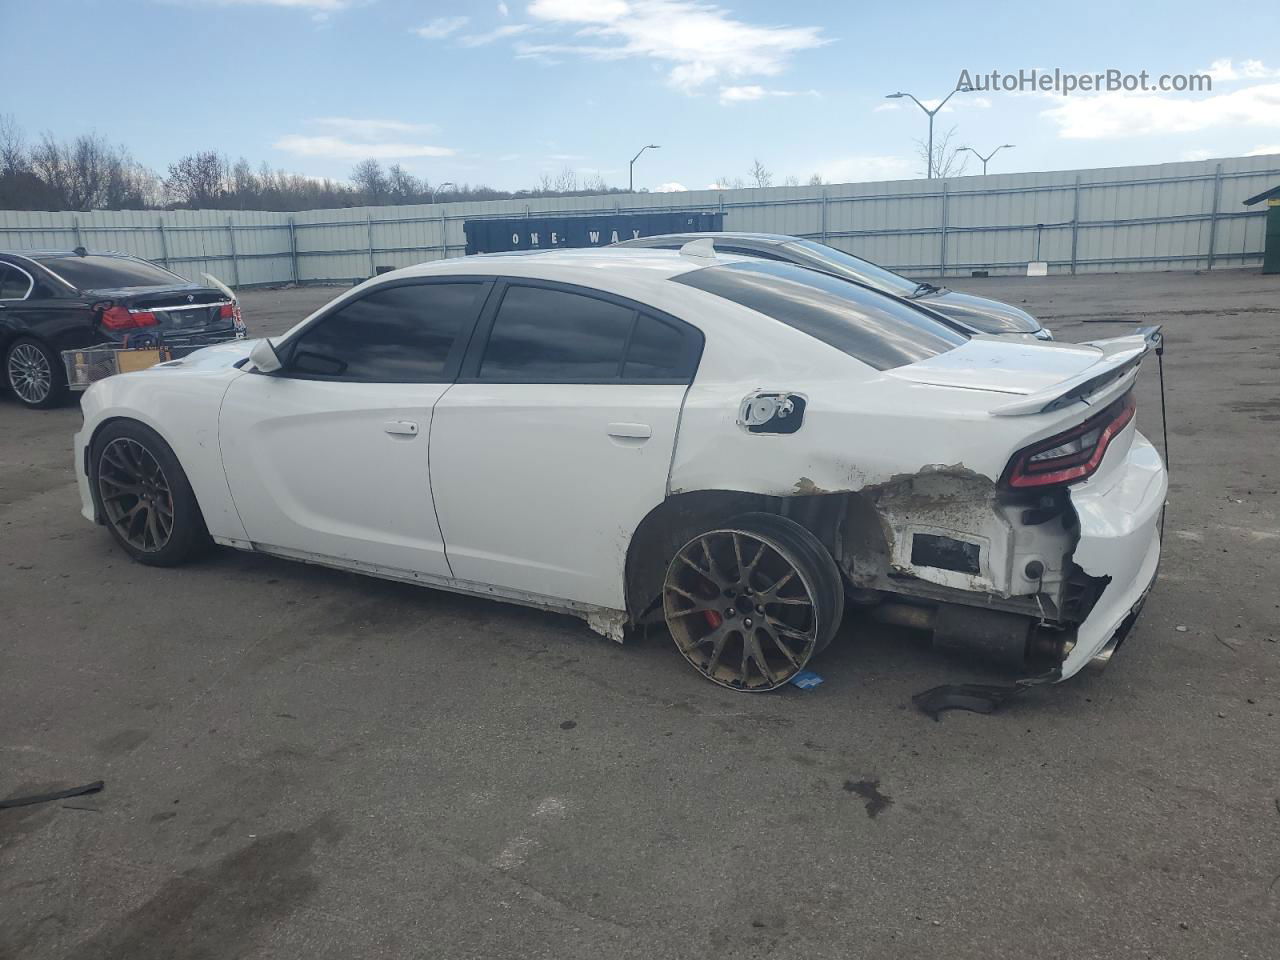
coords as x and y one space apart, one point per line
713 619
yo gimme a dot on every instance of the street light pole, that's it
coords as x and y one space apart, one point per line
988 156
436 191
631 173
930 113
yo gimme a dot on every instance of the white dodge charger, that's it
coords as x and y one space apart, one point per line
737 447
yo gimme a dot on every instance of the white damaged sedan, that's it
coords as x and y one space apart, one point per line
737 447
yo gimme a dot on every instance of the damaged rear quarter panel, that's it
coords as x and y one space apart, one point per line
927 458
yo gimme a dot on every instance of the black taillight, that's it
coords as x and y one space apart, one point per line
1073 455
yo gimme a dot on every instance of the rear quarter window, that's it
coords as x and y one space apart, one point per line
881 331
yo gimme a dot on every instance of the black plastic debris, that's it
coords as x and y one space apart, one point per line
94 787
974 697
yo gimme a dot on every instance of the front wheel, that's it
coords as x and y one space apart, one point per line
144 496
748 604
35 375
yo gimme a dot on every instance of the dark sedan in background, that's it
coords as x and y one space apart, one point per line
53 301
975 314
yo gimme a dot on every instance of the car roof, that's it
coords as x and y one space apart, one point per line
47 256
588 263
767 238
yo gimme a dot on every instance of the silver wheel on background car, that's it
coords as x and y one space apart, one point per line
30 375
135 494
747 607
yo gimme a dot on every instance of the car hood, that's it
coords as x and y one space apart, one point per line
986 316
217 357
1002 366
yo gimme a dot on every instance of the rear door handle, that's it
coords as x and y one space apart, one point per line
401 428
631 431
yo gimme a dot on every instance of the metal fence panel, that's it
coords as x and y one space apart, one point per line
1167 216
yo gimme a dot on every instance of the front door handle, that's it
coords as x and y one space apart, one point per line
630 431
401 428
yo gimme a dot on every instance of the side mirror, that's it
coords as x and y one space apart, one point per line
264 358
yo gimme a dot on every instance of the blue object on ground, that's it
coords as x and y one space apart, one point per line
806 680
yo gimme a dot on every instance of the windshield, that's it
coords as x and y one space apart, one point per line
880 331
847 265
106 273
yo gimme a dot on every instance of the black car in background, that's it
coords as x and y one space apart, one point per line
52 301
975 314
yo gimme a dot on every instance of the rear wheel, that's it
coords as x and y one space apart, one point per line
750 603
34 373
144 495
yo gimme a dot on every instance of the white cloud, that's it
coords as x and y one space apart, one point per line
670 186
740 94
699 41
499 33
755 92
1197 154
1264 150
1118 115
1226 71
340 149
884 107
365 129
441 27
503 9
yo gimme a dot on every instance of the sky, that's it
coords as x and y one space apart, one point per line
500 92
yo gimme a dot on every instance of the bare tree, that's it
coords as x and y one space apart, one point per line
199 180
948 159
13 149
791 181
566 180
370 181
815 180
403 186
760 174
88 173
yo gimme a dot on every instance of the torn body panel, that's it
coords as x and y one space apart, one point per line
1073 561
1119 512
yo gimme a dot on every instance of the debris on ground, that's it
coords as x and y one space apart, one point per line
806 680
94 787
974 697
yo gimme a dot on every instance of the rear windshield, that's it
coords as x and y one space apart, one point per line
864 271
880 331
106 273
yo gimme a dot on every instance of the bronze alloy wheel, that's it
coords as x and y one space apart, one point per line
745 607
135 494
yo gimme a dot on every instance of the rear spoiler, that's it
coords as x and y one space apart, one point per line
1113 373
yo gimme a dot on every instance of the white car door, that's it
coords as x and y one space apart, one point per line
557 439
329 456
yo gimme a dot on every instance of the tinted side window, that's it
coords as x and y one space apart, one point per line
658 351
545 335
402 334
